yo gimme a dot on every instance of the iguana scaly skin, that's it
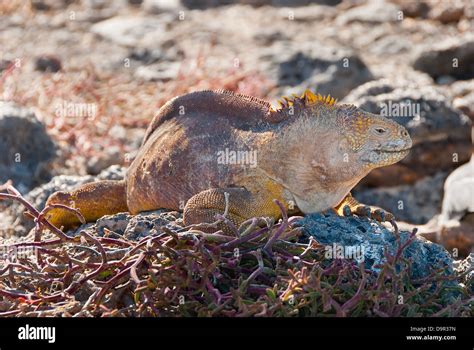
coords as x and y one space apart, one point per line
308 153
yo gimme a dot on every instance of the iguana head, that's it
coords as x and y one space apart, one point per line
330 147
374 140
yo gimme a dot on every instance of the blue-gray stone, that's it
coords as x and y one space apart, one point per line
372 239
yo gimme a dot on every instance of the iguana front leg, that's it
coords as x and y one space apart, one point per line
240 205
350 205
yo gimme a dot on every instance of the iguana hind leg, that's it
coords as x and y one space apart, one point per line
93 200
350 205
240 206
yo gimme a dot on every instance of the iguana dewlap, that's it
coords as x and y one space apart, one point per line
309 154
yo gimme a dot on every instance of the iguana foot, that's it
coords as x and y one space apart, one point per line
350 206
368 211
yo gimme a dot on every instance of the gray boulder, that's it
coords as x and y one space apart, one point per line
26 149
132 31
452 57
374 12
326 69
371 239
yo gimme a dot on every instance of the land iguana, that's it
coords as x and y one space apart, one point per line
309 153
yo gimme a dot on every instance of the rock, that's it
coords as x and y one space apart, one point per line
267 37
374 12
447 12
146 56
371 239
308 14
91 6
469 10
445 80
461 88
26 149
47 63
456 236
131 30
46 5
416 203
466 105
149 52
159 6
454 227
114 172
99 162
205 4
95 4
40 5
440 133
331 70
39 195
453 56
371 88
390 45
4 64
466 267
288 3
164 71
413 8
133 227
462 93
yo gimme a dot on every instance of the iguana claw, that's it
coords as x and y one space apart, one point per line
374 213
349 206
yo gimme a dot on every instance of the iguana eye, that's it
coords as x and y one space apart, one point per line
380 131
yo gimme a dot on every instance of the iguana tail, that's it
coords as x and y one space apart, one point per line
93 200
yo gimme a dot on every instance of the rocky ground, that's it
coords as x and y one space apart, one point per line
80 80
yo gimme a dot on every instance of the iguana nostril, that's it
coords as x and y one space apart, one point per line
404 133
